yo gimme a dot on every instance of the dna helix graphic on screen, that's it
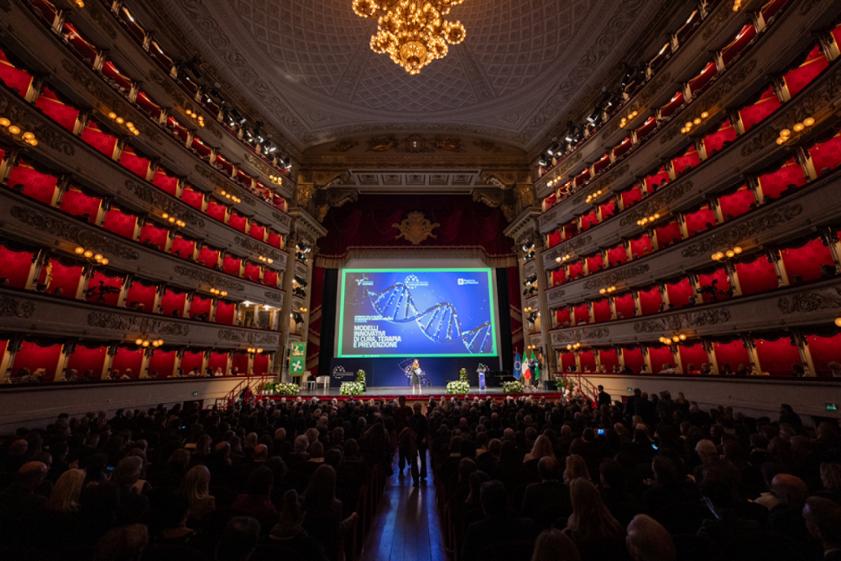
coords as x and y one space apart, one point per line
439 323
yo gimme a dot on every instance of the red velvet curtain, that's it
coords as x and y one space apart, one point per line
32 183
218 361
63 278
595 263
601 163
128 361
553 238
237 221
182 247
681 293
558 276
261 364
271 278
76 203
257 231
766 104
777 356
225 312
575 270
275 240
587 359
153 236
622 148
567 360
15 267
563 317
231 265
224 165
173 302
208 257
778 182
162 363
608 209
809 262
589 220
581 313
150 107
239 361
813 66
609 359
824 349
51 105
700 221
715 286
192 361
717 141
119 222
631 196
732 49
661 358
641 246
633 358
601 310
757 276
16 79
116 77
692 357
646 128
668 234
687 161
700 81
87 361
252 272
736 203
34 355
192 197
617 255
650 300
200 307
141 296
165 182
625 306
104 288
95 136
731 355
216 210
135 163
656 180
199 147
826 156
672 105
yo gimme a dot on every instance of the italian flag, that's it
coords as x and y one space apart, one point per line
526 371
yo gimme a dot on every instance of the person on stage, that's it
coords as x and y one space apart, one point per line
415 374
481 373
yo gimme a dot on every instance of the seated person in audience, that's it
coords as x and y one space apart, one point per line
324 519
648 540
239 540
823 521
288 538
499 534
554 545
548 500
594 530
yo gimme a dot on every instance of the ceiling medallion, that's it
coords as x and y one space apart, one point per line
412 32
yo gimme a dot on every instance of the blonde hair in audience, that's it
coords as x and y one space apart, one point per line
554 545
66 492
590 518
197 484
575 467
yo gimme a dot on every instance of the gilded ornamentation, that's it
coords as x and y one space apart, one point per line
811 301
415 228
242 336
12 307
621 274
161 201
572 245
125 322
686 320
658 202
580 334
208 277
73 232
48 135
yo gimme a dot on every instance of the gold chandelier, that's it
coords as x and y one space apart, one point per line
412 32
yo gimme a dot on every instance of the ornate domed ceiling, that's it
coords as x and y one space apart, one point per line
306 64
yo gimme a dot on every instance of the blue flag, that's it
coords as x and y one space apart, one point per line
517 366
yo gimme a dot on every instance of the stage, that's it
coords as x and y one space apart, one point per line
387 393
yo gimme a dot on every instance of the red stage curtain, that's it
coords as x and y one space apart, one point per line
95 136
699 221
589 220
735 204
703 78
33 356
672 105
813 66
633 358
87 361
182 247
609 359
119 222
625 306
148 105
218 360
51 105
608 209
216 210
631 196
192 197
732 49
231 265
225 312
567 361
563 317
777 356
191 361
558 277
687 161
646 128
261 364
641 246
617 255
681 293
553 238
650 300
601 163
575 270
601 310
165 182
810 262
200 307
731 354
251 272
587 359
237 221
692 357
128 360
257 231
32 183
715 286
717 141
15 267
161 363
76 203
104 288
595 263
826 156
153 236
239 361
271 278
668 234
581 314
753 114
141 296
661 357
787 177
824 349
757 276
208 257
16 79
135 163
656 180
622 148
275 240
64 279
173 302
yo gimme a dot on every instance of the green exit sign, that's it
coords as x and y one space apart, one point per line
195 393
831 407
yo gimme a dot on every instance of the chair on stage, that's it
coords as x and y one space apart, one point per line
324 382
307 382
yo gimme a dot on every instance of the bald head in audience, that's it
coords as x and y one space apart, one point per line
648 540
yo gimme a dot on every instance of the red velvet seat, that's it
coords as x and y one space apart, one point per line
16 79
700 220
32 183
94 135
776 183
826 156
61 112
153 236
717 141
766 104
737 202
813 66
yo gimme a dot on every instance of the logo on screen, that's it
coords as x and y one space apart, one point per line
465 282
364 281
412 282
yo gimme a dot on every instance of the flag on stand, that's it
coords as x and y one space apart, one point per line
516 372
526 371
535 368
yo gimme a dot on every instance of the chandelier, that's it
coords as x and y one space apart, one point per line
412 32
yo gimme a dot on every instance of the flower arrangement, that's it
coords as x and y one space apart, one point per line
462 375
360 377
287 388
514 386
352 388
458 387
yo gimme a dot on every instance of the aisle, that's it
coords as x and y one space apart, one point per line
406 527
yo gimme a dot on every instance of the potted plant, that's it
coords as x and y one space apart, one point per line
360 377
287 389
513 386
351 389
